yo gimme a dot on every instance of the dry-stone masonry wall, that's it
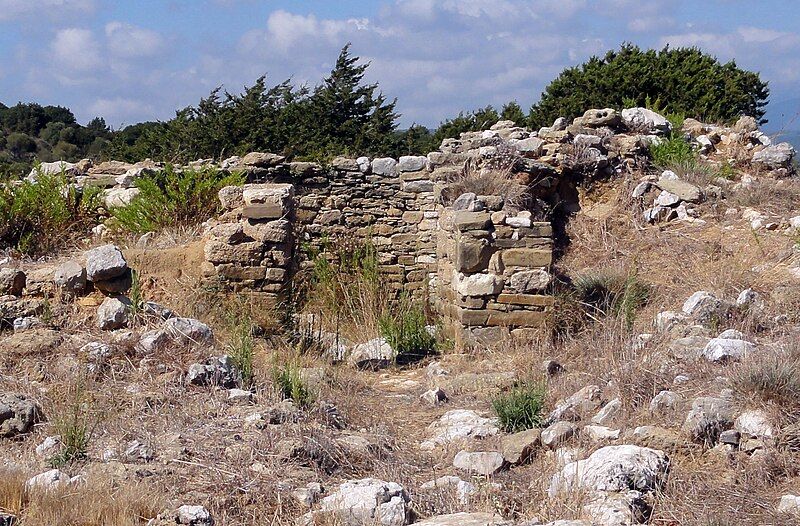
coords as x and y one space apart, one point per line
251 247
493 270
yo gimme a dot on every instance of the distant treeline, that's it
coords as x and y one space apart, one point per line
344 115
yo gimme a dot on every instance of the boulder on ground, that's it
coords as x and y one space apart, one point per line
49 480
789 504
484 463
113 313
218 370
374 354
709 416
12 282
465 519
705 307
645 121
775 156
723 350
459 424
70 277
18 414
104 263
189 330
194 516
614 469
520 447
367 502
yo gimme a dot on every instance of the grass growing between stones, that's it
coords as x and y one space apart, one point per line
241 348
607 293
521 407
407 332
290 384
41 216
72 424
173 197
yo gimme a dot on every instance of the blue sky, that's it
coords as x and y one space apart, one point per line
141 59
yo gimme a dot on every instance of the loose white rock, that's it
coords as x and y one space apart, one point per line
484 463
721 350
459 424
367 502
614 468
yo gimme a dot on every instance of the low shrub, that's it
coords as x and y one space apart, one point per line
40 216
174 197
407 333
612 293
72 425
290 384
772 379
498 177
521 407
672 151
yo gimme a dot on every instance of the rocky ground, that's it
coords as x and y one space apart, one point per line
681 411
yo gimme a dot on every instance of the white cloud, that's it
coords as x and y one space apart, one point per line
121 109
128 41
75 50
286 30
438 57
13 9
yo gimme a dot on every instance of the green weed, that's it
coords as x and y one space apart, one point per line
173 197
290 384
72 425
521 408
40 216
407 333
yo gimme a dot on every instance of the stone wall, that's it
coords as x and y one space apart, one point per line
492 270
385 202
251 247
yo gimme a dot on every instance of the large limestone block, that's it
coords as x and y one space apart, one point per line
271 201
527 257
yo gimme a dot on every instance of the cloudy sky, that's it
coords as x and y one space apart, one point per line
134 60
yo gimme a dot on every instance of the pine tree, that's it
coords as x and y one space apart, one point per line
513 112
346 115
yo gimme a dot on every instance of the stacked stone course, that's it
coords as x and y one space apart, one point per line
492 270
251 247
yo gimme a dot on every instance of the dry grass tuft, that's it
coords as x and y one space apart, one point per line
773 380
95 502
500 181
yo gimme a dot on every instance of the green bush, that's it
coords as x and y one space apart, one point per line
612 293
673 151
72 425
38 217
290 384
682 80
173 197
406 331
521 408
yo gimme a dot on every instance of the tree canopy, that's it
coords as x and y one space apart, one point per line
679 80
341 115
30 131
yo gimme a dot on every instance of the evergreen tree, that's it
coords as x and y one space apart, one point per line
476 120
513 112
347 115
683 81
